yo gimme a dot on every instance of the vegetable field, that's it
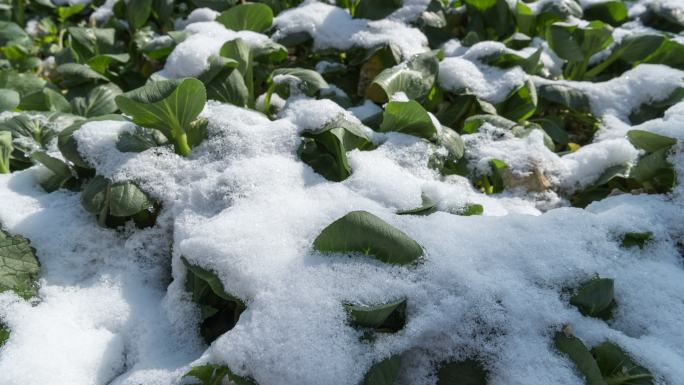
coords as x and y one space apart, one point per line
341 192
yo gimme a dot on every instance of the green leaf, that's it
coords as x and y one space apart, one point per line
618 368
325 150
224 83
595 298
9 99
649 141
428 207
23 83
239 51
670 53
10 31
613 12
472 209
520 103
169 106
100 101
409 118
530 64
4 335
473 123
497 167
66 13
415 78
384 372
468 372
577 44
86 43
29 133
564 95
250 16
216 5
19 266
376 9
220 311
580 356
5 151
212 374
307 81
388 317
654 171
481 5
632 239
137 13
363 232
140 140
74 74
59 173
120 199
630 49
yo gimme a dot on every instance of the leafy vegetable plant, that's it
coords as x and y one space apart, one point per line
170 106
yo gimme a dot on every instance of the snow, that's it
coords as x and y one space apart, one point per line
486 82
333 27
190 57
112 306
245 207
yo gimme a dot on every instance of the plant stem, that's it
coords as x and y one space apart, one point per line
267 99
181 145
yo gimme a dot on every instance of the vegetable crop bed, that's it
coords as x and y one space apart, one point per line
350 192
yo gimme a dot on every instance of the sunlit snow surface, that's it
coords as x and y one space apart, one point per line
113 309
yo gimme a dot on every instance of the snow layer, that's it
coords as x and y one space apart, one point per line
244 206
333 27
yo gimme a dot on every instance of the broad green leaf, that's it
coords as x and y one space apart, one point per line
408 118
10 31
19 266
654 171
632 239
169 106
497 168
325 150
618 368
9 99
140 140
119 199
530 64
384 372
670 53
101 63
23 83
307 81
59 173
126 199
520 103
474 122
376 9
100 101
577 44
415 78
249 16
5 151
220 311
137 13
613 12
88 42
224 83
468 372
239 51
630 49
584 362
389 317
29 133
649 141
216 5
73 74
46 99
595 298
564 95
363 232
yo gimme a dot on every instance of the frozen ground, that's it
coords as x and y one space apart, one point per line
112 312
